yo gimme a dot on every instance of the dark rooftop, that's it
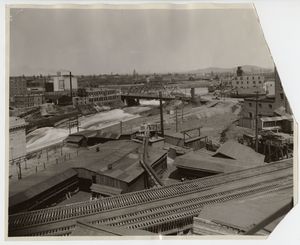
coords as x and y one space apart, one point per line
85 229
122 156
207 161
234 150
248 211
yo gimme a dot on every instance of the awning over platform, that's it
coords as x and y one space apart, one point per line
105 190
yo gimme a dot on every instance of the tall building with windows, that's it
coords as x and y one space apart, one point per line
17 138
266 106
17 86
61 82
100 96
248 81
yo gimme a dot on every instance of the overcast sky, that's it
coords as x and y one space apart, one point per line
104 41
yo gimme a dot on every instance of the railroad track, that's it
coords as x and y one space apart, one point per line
74 211
174 215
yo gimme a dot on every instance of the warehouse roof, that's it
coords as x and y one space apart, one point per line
44 181
248 211
201 162
211 162
234 150
85 229
116 159
106 190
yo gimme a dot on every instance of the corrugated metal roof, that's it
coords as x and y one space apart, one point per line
206 163
85 229
122 154
106 190
41 187
248 211
234 150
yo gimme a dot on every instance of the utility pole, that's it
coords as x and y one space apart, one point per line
256 122
176 119
71 86
69 126
20 170
182 111
77 124
161 115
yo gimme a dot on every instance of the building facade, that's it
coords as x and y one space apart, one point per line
17 86
17 138
267 106
28 100
247 81
62 83
101 96
269 87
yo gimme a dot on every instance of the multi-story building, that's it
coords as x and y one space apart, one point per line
101 96
17 138
17 86
248 81
61 82
28 100
266 106
269 87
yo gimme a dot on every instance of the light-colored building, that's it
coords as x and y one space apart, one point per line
269 87
248 81
62 82
17 138
102 96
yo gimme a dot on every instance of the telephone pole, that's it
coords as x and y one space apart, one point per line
176 119
161 115
71 94
256 122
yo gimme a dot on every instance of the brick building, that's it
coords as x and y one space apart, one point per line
266 106
101 96
28 100
17 138
248 81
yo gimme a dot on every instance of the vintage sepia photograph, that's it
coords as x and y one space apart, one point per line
145 121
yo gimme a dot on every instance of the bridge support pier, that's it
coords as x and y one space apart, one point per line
132 101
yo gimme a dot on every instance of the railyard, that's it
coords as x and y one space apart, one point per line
161 206
85 179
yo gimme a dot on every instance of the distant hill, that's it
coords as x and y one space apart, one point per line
245 68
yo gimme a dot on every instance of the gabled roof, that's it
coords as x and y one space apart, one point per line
234 150
122 155
248 211
85 229
201 161
106 190
40 187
